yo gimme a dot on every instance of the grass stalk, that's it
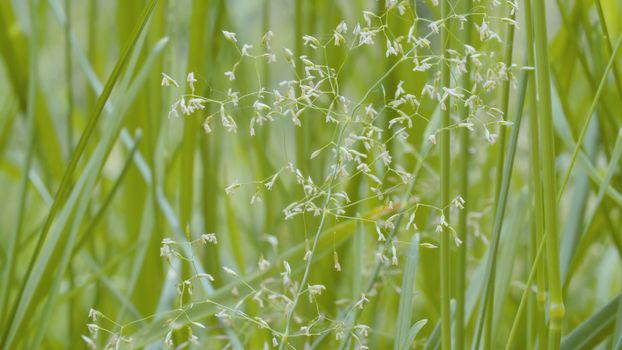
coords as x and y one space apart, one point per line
445 158
556 303
534 169
12 251
65 185
505 103
524 298
69 77
461 266
491 263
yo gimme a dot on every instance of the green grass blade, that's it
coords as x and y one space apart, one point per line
590 114
593 330
404 313
23 304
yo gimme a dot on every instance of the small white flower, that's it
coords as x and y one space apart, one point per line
386 157
361 303
93 329
209 238
311 41
168 339
245 49
391 49
341 27
428 90
230 271
381 237
230 75
289 56
432 138
367 16
483 30
434 27
167 80
265 40
260 106
263 264
366 38
336 260
338 39
230 36
93 314
458 202
400 89
89 342
166 251
315 289
491 138
229 190
308 255
394 260
190 78
206 127
270 183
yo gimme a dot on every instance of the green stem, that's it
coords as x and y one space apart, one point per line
12 249
547 141
445 143
534 159
69 76
505 102
462 217
603 24
301 154
523 300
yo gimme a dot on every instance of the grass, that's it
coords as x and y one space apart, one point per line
351 174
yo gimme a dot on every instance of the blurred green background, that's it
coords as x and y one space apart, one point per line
94 173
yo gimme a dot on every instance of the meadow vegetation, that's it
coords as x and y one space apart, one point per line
290 174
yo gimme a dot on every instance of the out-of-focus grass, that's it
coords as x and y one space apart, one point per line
94 175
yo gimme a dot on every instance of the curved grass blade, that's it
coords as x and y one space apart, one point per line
22 304
593 330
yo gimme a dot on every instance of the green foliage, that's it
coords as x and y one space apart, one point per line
311 175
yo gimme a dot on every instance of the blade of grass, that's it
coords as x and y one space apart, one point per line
523 301
17 313
576 218
81 192
445 159
68 78
404 313
461 265
590 114
611 169
87 233
505 103
616 343
556 303
491 261
414 331
535 173
593 330
27 164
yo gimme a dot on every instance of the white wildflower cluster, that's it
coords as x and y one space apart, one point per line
366 152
